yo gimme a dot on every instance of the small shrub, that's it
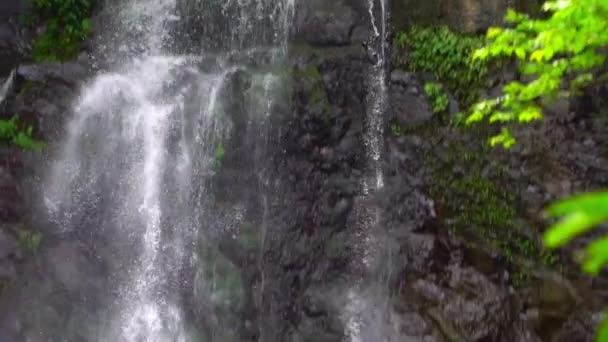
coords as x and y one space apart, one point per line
66 24
446 55
12 134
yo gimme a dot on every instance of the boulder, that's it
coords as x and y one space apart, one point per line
469 307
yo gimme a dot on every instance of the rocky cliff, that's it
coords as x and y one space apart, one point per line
442 285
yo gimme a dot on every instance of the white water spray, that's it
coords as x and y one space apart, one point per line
119 157
363 314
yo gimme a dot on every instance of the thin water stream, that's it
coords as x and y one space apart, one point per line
367 299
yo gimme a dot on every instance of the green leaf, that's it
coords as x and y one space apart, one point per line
602 332
580 214
596 256
504 138
493 32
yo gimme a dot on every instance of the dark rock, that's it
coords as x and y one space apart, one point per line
70 74
44 96
8 244
471 305
580 327
417 252
11 207
407 103
335 23
12 42
64 276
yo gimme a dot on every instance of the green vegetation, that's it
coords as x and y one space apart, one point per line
479 207
29 241
438 98
11 133
447 56
559 55
66 24
311 80
579 215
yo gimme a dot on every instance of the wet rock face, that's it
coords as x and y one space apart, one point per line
11 37
11 206
60 273
313 166
565 154
65 275
331 23
407 104
45 95
318 165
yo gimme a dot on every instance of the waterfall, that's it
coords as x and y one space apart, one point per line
134 173
364 314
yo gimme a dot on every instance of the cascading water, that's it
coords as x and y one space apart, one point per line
135 170
367 299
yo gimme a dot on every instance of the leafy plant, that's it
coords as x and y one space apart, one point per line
439 99
66 24
12 134
446 55
559 54
579 215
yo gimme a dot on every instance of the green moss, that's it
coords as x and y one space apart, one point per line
477 205
311 79
218 156
249 237
437 97
29 241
